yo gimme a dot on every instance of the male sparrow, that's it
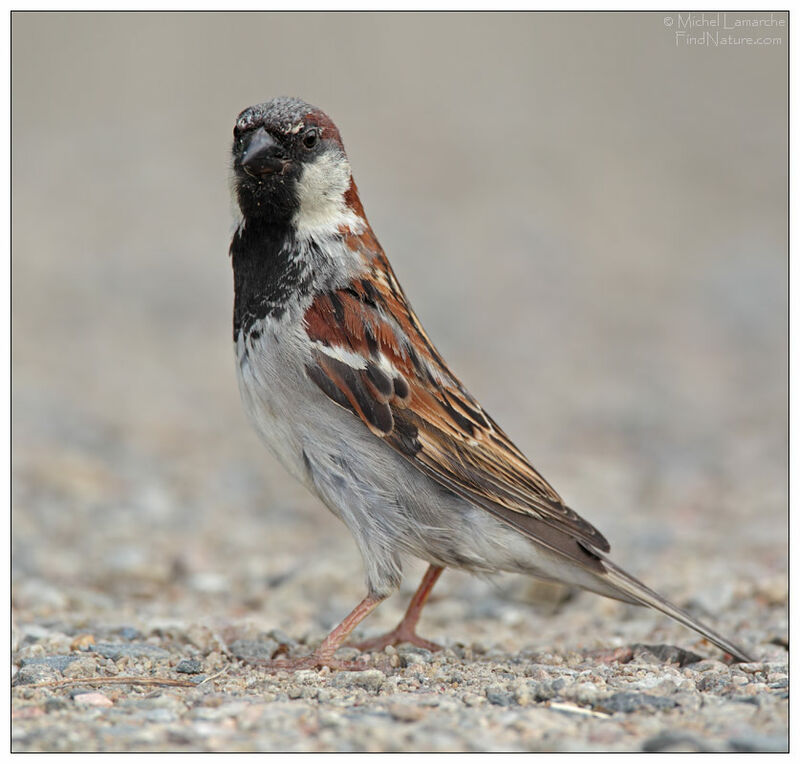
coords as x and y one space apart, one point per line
345 387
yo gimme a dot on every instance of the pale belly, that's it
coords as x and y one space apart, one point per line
391 508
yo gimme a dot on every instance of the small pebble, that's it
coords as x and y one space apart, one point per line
36 673
82 642
523 696
305 676
116 650
189 666
58 662
32 651
406 712
83 667
750 668
412 659
93 699
371 679
499 697
254 650
629 702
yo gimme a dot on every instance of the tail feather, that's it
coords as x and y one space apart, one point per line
642 594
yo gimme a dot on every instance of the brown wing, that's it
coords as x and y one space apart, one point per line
372 357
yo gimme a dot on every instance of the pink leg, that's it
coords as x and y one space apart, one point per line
406 629
323 655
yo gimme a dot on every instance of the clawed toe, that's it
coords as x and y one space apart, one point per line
395 638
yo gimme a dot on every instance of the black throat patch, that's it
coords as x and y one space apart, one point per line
267 273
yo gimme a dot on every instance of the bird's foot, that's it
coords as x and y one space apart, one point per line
395 637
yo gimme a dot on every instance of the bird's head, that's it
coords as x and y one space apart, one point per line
290 167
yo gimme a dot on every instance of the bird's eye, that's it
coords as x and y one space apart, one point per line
311 138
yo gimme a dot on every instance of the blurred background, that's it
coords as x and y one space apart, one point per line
588 214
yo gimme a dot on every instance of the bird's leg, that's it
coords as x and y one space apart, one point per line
323 655
405 631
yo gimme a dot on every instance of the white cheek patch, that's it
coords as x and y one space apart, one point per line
320 191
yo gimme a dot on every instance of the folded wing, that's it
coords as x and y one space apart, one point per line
372 357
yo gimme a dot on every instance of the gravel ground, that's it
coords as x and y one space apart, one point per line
481 696
607 275
182 592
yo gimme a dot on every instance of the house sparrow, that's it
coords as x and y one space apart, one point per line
345 387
